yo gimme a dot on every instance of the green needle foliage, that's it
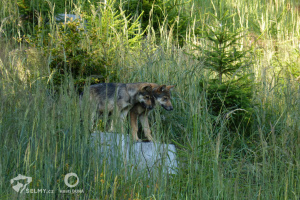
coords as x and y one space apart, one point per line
224 56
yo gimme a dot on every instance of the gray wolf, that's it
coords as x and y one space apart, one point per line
120 98
162 96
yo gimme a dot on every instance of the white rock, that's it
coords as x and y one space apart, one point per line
150 156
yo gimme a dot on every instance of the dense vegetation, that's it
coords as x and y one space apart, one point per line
236 117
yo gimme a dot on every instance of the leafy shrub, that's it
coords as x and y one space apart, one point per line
33 11
86 49
157 14
71 54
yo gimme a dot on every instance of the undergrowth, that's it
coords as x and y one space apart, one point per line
45 126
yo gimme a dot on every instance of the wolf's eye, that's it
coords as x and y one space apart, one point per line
147 97
165 99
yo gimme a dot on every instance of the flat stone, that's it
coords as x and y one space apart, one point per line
119 149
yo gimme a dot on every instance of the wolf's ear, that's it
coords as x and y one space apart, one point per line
161 88
170 87
147 88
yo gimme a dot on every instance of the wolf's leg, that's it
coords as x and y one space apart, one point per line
121 119
108 125
134 125
115 115
111 129
123 115
112 121
145 124
94 117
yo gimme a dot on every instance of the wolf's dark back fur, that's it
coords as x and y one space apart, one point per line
105 89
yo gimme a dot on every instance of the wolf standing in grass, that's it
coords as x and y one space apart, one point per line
107 97
162 96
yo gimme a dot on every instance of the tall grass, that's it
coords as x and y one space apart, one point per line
46 134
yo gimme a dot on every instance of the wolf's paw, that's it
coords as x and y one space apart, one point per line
150 138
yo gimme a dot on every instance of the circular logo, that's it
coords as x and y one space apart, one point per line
67 176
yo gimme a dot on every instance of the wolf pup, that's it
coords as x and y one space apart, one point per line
162 96
122 97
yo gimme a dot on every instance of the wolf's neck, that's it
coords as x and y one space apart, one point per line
132 92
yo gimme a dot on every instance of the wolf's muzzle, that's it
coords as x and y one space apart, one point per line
168 108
